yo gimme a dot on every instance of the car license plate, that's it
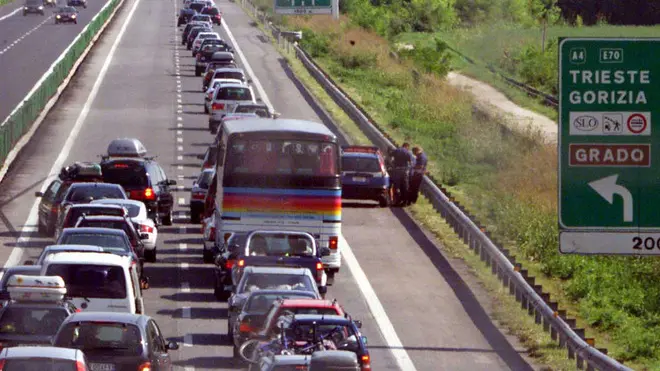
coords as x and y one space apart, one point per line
359 179
102 367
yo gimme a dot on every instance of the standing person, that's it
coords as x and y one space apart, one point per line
418 173
402 165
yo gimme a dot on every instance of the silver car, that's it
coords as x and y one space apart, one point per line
43 358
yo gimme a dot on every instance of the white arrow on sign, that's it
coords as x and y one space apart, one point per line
607 188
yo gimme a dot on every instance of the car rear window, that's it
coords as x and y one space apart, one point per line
260 303
229 75
233 93
108 242
38 364
198 7
31 321
76 213
86 194
211 11
91 281
254 282
110 224
368 165
101 338
204 18
129 174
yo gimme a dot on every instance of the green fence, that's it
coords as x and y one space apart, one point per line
23 116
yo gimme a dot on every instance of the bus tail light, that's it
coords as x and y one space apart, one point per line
333 243
319 271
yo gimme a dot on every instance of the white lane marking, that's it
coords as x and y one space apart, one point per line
377 309
180 176
183 246
179 140
179 118
179 125
182 201
180 187
24 35
185 312
187 340
184 265
185 287
375 306
180 167
179 101
10 14
180 148
179 158
179 107
30 225
179 132
245 63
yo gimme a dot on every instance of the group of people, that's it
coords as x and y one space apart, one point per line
407 171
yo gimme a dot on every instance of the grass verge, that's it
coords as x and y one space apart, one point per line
508 181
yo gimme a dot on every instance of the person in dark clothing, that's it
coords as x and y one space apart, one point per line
402 165
418 173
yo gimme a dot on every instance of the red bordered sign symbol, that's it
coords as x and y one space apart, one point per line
637 123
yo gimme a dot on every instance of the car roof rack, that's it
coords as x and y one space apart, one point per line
126 147
25 288
81 170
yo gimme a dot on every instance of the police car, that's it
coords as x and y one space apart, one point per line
364 175
35 311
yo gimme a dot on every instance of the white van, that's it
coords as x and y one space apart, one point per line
98 282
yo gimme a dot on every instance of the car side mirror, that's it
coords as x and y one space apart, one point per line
325 251
38 194
364 340
28 262
172 345
144 236
358 323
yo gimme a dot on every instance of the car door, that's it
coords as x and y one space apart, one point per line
46 204
166 193
158 348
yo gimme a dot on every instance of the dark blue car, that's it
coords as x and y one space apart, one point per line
364 176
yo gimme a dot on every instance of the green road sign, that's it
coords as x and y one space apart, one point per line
609 184
303 6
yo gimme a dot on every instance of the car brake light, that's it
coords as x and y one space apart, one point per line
2 364
229 264
319 266
120 166
146 229
241 263
333 243
245 327
212 234
366 362
198 196
80 366
149 194
219 106
146 366
53 209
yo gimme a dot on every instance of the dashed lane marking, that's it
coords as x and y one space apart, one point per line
185 287
182 201
184 266
183 246
24 35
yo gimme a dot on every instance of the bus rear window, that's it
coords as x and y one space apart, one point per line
91 281
282 157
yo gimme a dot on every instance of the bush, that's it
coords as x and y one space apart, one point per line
357 59
436 59
316 44
538 68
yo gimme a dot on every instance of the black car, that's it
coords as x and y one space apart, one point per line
185 15
82 3
186 32
206 51
144 180
67 14
117 341
216 15
33 6
52 198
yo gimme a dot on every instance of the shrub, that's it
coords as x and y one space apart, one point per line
432 59
316 44
538 68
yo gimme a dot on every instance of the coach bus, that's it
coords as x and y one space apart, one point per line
279 174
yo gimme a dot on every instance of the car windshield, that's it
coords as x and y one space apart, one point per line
127 174
280 245
109 242
205 179
229 75
77 212
91 281
39 364
360 164
265 281
31 321
261 303
100 338
278 156
86 194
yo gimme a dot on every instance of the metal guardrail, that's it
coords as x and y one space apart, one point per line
502 264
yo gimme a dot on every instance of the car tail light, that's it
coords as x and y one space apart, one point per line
333 243
241 263
228 264
366 362
218 106
198 195
149 194
146 366
212 234
245 327
146 229
2 364
53 209
319 271
80 366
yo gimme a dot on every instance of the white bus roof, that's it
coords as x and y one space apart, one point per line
255 125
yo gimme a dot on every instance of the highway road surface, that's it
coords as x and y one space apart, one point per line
417 310
30 44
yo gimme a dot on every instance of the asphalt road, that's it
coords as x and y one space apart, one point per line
420 310
30 44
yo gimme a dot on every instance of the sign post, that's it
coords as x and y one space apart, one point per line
302 7
609 183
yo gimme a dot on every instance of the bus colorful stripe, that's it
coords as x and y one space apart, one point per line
259 202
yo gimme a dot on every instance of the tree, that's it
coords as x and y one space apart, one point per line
545 11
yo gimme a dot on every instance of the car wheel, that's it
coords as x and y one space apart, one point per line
331 279
195 217
167 220
150 255
40 227
207 256
75 22
237 354
384 201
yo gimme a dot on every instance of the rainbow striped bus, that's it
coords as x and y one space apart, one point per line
279 174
